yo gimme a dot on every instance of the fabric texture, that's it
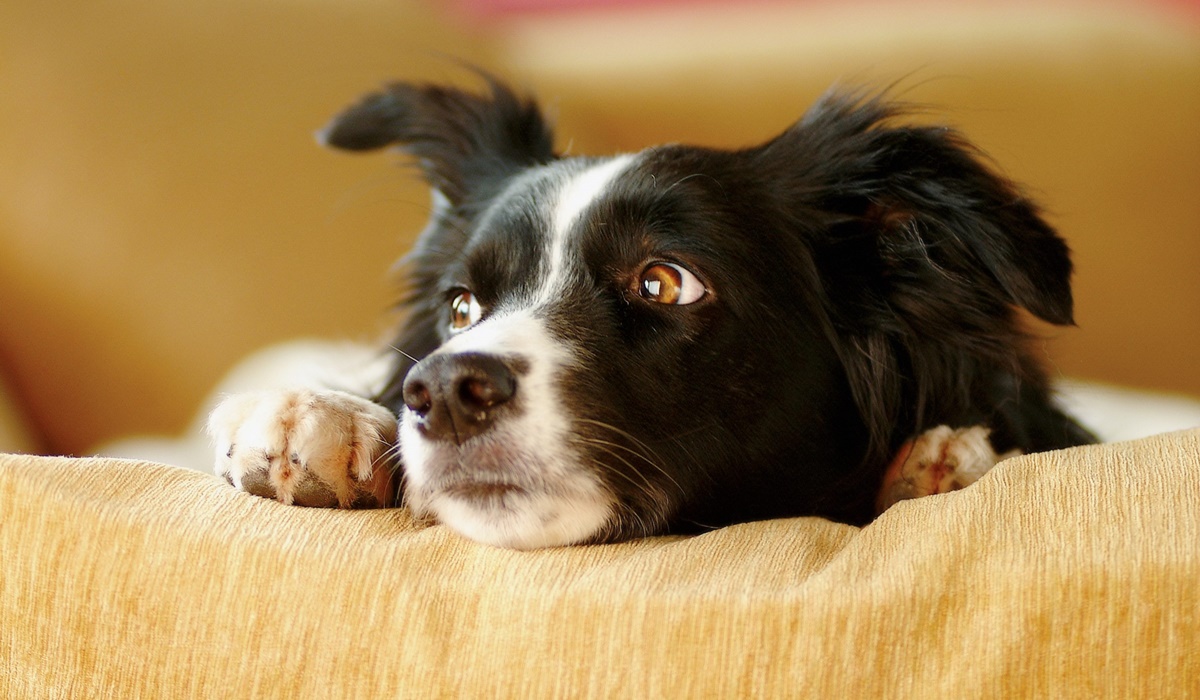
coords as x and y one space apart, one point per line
1066 574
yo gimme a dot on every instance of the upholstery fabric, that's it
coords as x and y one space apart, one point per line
1067 574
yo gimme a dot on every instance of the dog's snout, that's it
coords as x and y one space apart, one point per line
456 396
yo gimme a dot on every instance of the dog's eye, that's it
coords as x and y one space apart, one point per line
464 311
667 283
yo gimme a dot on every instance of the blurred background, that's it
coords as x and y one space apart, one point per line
164 209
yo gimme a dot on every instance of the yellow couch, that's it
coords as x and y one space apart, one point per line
163 212
1060 575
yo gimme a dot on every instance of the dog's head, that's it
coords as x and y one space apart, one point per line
600 348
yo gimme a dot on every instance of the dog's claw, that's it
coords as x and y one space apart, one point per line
323 449
939 460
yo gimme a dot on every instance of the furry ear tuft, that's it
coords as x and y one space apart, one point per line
923 252
946 209
923 196
462 141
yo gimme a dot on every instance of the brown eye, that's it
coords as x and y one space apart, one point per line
667 283
464 311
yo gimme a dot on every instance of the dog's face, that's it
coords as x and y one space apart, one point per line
603 356
603 348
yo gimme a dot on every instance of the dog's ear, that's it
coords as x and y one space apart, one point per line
936 217
923 252
462 141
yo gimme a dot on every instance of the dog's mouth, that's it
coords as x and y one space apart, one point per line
506 497
482 493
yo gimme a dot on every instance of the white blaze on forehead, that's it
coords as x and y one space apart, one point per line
563 500
584 188
574 198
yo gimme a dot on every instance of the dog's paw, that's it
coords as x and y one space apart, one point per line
309 448
939 460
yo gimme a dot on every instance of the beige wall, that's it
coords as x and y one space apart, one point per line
164 210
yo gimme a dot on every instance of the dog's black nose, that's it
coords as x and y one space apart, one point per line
456 397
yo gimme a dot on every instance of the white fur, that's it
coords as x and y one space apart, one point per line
574 198
941 459
337 438
528 522
561 502
554 499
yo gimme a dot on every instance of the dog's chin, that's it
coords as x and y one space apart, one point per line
499 494
517 519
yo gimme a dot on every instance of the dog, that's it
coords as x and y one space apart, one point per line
603 348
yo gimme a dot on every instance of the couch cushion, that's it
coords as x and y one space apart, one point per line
1066 574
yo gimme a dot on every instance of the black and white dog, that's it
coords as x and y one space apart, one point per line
677 339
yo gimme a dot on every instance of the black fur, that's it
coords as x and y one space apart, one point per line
865 277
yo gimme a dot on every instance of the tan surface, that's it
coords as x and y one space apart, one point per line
1069 574
163 210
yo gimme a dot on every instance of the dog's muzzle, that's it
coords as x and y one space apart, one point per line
457 396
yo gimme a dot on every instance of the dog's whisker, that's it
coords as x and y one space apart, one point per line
685 178
676 440
609 448
683 447
653 463
389 458
645 487
626 517
405 354
648 485
623 433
